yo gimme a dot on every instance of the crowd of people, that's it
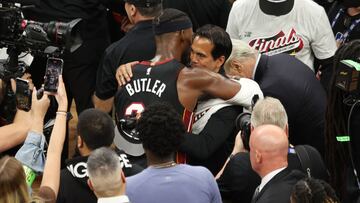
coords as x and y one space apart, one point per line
192 101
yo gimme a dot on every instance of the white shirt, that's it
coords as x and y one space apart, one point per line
268 177
305 29
116 199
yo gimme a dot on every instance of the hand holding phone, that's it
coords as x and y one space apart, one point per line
54 68
23 94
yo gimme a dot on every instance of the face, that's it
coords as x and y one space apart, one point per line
201 57
242 68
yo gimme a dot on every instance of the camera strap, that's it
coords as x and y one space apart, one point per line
304 158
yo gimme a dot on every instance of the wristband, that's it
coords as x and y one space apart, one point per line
30 175
61 113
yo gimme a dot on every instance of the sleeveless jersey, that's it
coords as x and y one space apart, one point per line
150 84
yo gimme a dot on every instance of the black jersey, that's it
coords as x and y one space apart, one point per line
149 84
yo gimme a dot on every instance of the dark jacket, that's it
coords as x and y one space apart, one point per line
288 79
73 179
279 188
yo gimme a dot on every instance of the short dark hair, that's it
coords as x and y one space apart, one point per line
96 128
150 11
160 129
218 37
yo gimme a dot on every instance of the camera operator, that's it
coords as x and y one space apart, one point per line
343 155
13 134
238 181
81 65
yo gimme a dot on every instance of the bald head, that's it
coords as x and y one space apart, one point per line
268 149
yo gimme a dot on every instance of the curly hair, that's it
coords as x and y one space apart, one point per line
160 129
310 190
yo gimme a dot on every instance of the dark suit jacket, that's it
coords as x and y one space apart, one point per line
279 188
286 78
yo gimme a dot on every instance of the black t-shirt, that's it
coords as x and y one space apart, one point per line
342 23
73 186
137 45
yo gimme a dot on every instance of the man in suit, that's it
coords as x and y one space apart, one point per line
286 78
268 156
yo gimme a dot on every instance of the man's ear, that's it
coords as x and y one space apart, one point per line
236 65
258 157
220 61
123 179
133 10
90 184
79 142
287 130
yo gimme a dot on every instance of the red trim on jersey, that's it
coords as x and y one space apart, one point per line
150 63
188 119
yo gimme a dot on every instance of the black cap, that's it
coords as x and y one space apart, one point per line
276 7
144 3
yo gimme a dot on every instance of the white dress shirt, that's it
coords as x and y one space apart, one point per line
116 199
268 177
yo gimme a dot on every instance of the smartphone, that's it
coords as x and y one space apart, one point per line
23 94
54 68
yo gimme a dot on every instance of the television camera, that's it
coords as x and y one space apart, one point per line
19 35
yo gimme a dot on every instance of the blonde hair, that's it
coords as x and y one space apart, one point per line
12 181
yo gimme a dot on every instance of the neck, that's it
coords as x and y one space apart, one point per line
167 47
268 170
353 11
142 18
152 160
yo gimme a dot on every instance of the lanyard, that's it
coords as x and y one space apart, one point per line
348 31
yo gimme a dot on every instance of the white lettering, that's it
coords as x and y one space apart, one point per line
161 90
155 86
124 161
137 86
148 86
129 89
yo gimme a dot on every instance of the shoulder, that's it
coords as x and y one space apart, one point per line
243 5
310 7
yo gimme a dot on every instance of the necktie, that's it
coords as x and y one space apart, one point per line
256 193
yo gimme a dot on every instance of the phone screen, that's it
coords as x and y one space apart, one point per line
23 94
53 70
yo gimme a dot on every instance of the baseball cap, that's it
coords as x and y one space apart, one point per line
127 139
144 3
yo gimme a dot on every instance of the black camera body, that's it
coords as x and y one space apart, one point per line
21 35
243 123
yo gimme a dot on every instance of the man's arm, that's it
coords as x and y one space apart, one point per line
103 105
217 130
14 134
196 82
